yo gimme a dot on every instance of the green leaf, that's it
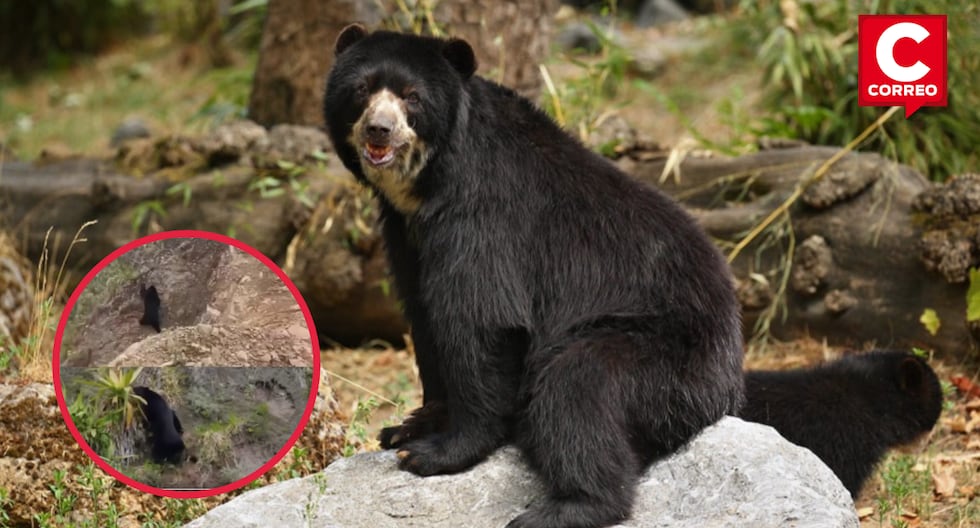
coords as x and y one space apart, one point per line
930 320
973 296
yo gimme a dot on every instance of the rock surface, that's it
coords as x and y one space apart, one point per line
220 307
735 474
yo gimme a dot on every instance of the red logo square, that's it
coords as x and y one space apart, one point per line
902 61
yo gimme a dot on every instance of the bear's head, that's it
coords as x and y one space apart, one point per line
392 103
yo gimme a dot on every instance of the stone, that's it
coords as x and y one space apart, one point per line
811 265
231 141
129 129
734 474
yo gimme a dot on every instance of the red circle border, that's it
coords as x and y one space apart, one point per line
99 461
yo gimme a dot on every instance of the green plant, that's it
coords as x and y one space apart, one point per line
92 425
143 211
907 485
357 434
5 503
312 498
300 186
183 189
104 406
809 52
581 103
217 440
64 501
930 320
973 297
178 513
115 390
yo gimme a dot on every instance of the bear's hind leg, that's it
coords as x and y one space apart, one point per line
575 433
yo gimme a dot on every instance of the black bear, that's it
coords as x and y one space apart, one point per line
151 307
848 412
554 301
162 425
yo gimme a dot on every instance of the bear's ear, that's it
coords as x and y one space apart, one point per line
348 36
911 375
459 53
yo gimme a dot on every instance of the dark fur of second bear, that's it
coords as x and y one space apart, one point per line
554 300
151 307
162 425
849 412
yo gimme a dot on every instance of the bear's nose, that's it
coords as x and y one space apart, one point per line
379 130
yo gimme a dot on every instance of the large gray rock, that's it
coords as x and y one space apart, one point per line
735 474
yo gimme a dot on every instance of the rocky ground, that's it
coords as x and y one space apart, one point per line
220 306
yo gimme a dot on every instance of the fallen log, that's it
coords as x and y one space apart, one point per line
852 239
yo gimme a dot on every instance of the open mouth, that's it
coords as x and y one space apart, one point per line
378 154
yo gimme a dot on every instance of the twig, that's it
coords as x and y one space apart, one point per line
553 93
362 387
817 175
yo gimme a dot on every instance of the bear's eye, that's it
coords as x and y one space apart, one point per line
412 98
361 90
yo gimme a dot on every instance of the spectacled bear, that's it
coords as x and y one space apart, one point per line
554 301
151 307
848 412
162 425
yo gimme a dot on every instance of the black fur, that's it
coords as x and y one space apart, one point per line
553 300
151 307
162 425
848 412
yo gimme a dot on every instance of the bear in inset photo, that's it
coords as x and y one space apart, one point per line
849 412
162 426
554 301
151 307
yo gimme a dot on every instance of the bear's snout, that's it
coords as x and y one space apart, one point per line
379 128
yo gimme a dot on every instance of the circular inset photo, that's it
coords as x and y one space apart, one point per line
186 364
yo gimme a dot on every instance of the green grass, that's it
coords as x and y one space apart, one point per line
80 108
907 487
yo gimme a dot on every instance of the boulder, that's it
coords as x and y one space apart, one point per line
734 474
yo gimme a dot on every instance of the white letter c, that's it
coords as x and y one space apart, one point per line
884 52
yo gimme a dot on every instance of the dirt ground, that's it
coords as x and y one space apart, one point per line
219 306
945 464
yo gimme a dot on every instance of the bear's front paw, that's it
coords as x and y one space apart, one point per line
437 455
394 436
424 421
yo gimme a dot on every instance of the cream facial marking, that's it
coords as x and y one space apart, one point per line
391 153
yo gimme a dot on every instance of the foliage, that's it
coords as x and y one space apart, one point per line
217 440
907 486
48 32
104 406
973 296
52 33
809 52
114 389
580 103
930 320
357 434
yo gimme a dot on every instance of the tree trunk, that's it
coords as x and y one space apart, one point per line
294 57
510 38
